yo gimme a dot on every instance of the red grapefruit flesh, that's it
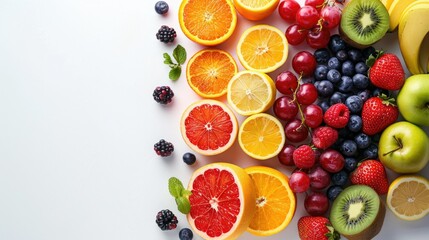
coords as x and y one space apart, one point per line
209 127
222 201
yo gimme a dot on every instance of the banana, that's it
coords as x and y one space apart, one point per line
418 2
395 11
413 27
387 3
424 54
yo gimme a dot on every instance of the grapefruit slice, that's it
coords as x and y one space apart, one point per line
209 127
222 201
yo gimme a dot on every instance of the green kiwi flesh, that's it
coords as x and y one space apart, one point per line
358 213
364 22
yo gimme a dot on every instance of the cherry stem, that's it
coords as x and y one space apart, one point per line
400 146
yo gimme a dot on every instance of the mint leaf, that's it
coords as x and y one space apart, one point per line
174 73
167 59
183 205
179 53
186 193
175 187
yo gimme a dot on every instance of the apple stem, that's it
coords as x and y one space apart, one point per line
399 142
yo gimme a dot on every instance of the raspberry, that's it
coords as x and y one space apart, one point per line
163 148
304 157
324 137
166 220
337 115
166 34
163 94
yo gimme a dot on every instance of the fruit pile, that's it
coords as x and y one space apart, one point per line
332 119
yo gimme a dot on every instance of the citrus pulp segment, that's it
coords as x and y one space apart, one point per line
275 201
262 48
208 127
261 136
222 201
251 92
256 10
408 197
209 72
207 22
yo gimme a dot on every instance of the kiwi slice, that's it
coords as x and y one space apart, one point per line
364 22
358 213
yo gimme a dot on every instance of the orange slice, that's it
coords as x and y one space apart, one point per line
408 197
261 136
262 48
207 22
256 10
208 127
209 71
275 201
222 201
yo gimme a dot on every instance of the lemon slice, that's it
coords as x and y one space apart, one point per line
261 136
262 48
408 197
251 92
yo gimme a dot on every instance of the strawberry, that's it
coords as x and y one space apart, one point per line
324 137
386 71
371 173
304 157
312 228
378 113
337 115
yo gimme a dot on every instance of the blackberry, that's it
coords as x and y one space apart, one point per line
163 148
163 94
166 34
166 220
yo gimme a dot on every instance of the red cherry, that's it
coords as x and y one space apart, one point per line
287 10
286 83
295 131
313 115
304 63
299 182
307 17
331 17
285 108
318 38
285 155
306 94
316 203
295 35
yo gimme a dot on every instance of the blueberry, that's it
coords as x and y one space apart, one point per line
346 84
355 123
324 104
360 81
355 55
337 97
350 164
364 95
378 92
334 63
367 52
340 178
371 152
322 55
336 43
316 83
333 191
325 88
362 140
361 68
161 7
334 76
348 68
342 55
348 148
354 103
320 72
186 234
189 158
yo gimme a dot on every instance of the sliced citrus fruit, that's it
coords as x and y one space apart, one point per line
262 48
207 22
209 71
251 92
261 136
209 127
256 10
222 201
275 201
408 197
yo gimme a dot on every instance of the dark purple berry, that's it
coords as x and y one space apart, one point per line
166 220
189 158
163 94
163 148
161 7
166 34
186 234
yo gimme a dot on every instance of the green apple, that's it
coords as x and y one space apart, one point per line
413 99
404 148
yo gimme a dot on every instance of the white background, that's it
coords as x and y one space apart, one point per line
78 122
